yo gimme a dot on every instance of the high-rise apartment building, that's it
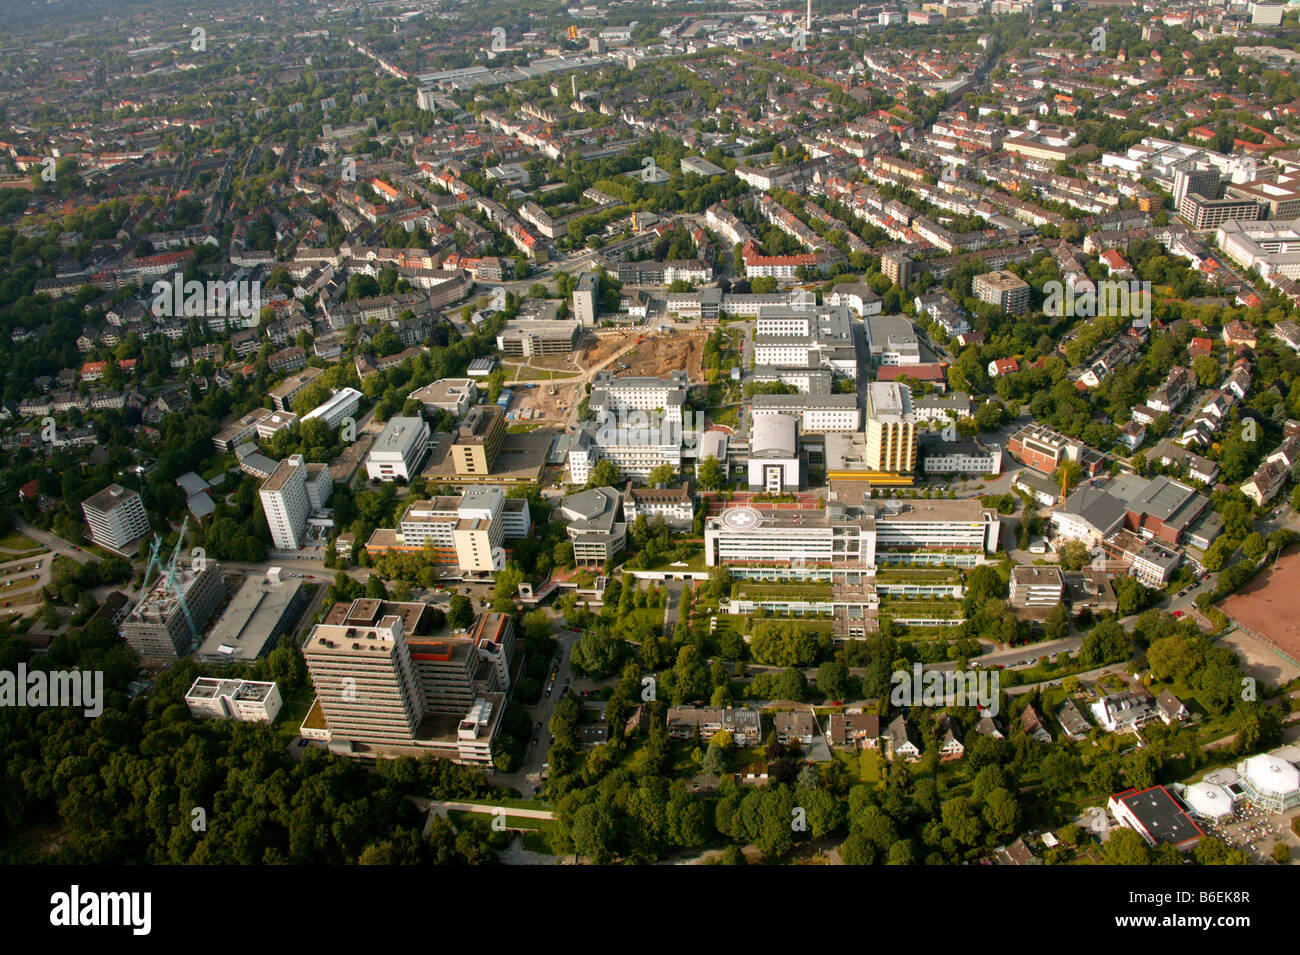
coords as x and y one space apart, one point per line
284 499
365 679
891 429
116 517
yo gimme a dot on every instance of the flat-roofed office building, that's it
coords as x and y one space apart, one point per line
478 440
399 450
249 701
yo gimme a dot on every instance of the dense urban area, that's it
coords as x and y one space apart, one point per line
649 431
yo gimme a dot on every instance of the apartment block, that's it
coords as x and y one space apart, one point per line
116 517
1036 586
1006 290
285 503
891 429
364 676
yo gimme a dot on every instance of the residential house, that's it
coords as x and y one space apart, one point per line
903 739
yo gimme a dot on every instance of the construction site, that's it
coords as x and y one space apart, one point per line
542 394
635 351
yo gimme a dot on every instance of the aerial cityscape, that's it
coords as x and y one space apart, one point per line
649 431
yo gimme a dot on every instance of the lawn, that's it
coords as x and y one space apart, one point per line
538 829
869 766
19 542
294 711
815 625
694 562
214 465
729 416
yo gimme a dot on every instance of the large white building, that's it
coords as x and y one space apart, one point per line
249 701
399 451
840 539
774 454
940 456
468 531
639 393
342 404
634 451
816 414
1271 247
806 338
293 490
116 517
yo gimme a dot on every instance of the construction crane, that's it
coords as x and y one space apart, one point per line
168 575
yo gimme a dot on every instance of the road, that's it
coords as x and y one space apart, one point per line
528 776
56 544
673 590
442 807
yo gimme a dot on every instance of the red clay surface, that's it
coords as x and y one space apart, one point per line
1270 604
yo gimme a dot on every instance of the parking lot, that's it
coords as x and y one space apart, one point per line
1255 832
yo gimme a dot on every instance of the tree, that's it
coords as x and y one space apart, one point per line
593 832
715 760
1206 368
1001 813
710 474
604 474
833 679
1107 643
460 612
663 474
1253 546
1215 555
1057 624
856 850
1126 847
1073 554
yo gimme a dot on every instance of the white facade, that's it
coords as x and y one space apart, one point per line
399 451
964 460
116 517
286 504
342 404
249 701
